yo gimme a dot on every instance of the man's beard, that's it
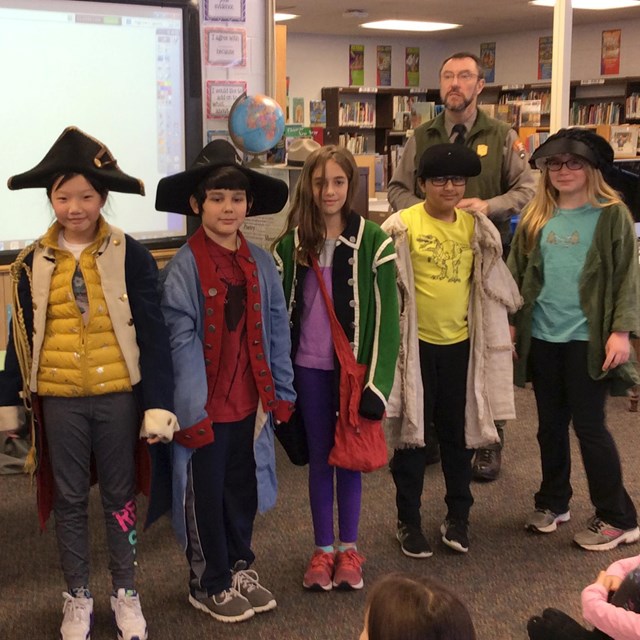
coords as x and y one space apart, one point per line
458 106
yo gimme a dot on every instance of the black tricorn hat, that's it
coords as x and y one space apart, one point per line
449 159
77 152
579 142
173 193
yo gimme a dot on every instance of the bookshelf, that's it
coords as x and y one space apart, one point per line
365 119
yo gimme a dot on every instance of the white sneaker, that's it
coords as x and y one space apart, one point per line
77 618
126 609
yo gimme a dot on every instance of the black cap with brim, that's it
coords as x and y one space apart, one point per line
173 193
449 159
578 142
77 152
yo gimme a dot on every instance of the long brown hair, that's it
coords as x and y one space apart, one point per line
403 607
304 213
545 201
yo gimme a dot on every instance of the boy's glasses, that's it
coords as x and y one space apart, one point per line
456 181
573 164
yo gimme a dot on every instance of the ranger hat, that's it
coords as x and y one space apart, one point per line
299 150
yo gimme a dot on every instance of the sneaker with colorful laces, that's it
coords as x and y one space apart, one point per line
602 536
246 582
348 570
127 613
77 616
319 573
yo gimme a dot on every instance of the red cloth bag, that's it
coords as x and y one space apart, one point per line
359 443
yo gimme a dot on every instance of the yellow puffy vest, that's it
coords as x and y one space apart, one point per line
78 359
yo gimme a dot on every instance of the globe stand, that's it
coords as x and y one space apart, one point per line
255 162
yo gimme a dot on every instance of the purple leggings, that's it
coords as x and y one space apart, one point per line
316 404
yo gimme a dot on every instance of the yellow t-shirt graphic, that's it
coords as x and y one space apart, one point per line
442 264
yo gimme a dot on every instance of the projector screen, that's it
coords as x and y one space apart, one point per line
127 74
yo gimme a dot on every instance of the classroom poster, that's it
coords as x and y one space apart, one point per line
545 54
225 47
412 67
221 94
610 52
225 10
488 59
383 66
356 65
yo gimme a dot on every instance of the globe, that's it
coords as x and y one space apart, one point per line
256 123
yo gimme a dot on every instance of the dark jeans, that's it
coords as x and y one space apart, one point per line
564 391
444 377
221 504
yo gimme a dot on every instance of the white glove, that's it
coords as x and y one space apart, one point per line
11 418
159 423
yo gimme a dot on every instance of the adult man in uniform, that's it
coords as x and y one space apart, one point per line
504 186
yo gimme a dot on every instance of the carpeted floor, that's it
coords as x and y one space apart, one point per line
507 575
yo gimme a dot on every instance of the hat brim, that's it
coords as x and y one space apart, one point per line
559 146
173 192
77 152
41 175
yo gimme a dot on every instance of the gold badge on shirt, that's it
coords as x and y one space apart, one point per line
482 150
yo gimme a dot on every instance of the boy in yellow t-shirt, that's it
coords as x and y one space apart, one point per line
447 251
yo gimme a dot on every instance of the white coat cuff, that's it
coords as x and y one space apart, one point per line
159 423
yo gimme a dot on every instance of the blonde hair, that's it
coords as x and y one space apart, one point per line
540 210
304 213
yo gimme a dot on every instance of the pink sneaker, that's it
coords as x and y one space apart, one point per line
318 575
348 573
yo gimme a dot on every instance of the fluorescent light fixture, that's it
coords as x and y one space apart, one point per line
281 17
409 25
594 5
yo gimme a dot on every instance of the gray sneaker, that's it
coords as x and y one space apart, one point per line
601 536
246 583
545 520
226 606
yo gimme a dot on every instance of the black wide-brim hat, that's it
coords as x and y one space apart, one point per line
173 193
449 159
578 142
77 152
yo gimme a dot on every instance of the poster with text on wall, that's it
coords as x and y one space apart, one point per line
225 10
412 67
545 55
488 60
225 47
383 66
610 56
221 94
356 65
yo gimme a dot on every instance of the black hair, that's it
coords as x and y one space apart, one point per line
229 177
60 178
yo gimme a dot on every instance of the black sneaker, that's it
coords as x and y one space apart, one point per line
455 534
412 541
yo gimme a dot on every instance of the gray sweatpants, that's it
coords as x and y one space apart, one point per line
107 427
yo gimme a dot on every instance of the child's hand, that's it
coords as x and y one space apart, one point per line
610 583
617 350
